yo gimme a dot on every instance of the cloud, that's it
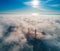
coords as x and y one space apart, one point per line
51 5
16 40
48 1
54 5
33 3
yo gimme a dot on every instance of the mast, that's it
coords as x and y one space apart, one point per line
35 33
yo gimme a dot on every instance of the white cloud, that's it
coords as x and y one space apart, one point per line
48 1
33 3
54 5
46 23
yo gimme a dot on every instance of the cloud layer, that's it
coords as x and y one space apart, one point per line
15 41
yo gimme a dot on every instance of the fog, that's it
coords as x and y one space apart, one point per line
17 41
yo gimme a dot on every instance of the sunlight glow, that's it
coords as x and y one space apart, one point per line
35 14
35 3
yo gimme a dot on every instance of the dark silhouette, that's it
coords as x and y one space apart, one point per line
37 44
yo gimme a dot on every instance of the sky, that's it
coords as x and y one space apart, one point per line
30 5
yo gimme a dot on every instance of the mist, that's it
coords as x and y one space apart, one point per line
17 41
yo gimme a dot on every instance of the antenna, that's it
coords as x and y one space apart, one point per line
35 33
